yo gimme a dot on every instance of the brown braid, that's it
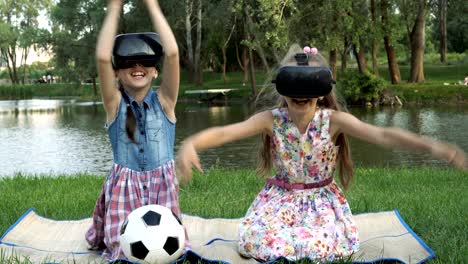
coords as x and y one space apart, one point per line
130 122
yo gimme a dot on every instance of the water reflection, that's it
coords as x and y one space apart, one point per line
63 136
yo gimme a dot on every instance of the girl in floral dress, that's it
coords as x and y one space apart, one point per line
301 212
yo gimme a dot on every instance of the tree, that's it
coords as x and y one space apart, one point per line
221 31
457 26
75 26
376 33
442 5
387 26
325 25
265 32
361 37
18 33
193 10
417 38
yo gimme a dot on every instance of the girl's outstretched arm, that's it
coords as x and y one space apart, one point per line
105 43
392 137
217 136
170 76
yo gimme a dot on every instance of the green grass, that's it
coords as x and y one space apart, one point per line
437 73
432 201
441 85
431 92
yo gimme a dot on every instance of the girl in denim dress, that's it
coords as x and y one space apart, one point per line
140 123
301 212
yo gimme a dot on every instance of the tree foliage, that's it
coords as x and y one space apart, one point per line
18 33
230 29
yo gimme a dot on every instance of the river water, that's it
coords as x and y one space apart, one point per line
53 137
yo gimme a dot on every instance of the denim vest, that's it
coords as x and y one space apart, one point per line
154 134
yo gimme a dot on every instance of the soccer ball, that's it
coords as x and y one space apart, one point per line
152 233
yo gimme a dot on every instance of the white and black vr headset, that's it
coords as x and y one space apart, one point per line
142 48
303 81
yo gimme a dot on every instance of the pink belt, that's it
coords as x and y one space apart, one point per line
299 186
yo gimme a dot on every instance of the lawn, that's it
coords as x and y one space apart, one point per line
432 201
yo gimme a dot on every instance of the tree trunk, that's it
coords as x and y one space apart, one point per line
252 73
276 55
238 57
24 59
443 30
361 57
333 60
95 93
224 48
254 39
188 36
198 66
344 58
10 71
418 45
245 61
393 68
12 65
375 63
261 54
375 47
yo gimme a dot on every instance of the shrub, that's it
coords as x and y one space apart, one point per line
360 88
12 92
452 58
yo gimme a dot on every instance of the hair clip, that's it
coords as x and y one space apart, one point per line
308 49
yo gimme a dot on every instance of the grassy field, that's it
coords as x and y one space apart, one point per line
432 201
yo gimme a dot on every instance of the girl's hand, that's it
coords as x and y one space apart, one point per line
187 157
452 154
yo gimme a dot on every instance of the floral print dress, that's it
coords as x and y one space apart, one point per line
311 223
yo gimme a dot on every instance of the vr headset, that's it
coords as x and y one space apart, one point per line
142 48
303 81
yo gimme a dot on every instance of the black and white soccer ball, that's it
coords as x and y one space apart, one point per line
153 234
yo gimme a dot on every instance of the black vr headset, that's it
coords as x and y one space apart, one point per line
142 48
303 81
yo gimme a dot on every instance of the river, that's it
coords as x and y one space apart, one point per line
51 137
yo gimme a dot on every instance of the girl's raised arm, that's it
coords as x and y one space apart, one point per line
105 43
170 78
217 136
393 137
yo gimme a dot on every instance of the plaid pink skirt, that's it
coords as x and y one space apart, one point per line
123 191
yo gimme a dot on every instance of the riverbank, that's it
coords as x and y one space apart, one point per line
409 94
430 200
443 85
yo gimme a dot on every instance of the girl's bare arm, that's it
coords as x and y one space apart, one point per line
217 136
105 43
170 76
396 138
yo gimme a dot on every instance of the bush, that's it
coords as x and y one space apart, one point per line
13 92
452 58
360 88
28 91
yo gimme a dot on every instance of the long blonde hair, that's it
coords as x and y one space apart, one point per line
330 101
